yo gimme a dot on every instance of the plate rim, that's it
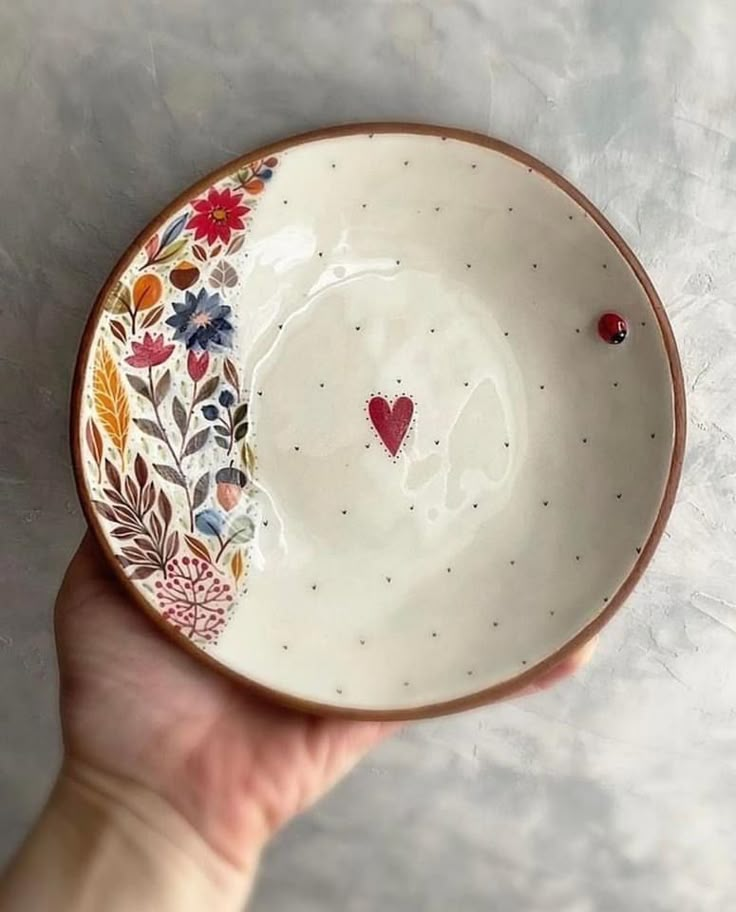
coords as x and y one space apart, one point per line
504 689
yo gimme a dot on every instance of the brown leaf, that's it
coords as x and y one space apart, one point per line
141 470
215 251
162 387
198 548
172 545
235 245
94 441
105 510
180 414
153 316
123 532
151 247
139 385
119 331
164 507
199 252
146 292
113 476
143 572
149 495
207 389
231 374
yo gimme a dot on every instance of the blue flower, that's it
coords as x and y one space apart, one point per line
210 412
226 398
210 522
202 322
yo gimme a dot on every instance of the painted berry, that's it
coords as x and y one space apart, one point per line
612 328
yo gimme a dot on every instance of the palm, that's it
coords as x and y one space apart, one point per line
136 706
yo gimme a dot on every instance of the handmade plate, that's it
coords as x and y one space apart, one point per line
347 425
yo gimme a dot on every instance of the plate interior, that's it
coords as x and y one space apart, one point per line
347 424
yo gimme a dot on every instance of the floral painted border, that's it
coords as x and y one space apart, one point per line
166 452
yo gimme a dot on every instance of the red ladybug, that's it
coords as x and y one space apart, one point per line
612 328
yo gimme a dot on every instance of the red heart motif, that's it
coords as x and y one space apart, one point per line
391 421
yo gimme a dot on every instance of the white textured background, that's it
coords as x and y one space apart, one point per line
618 790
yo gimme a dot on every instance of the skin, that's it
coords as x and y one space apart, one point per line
157 743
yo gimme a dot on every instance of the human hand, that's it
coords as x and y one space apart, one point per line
137 708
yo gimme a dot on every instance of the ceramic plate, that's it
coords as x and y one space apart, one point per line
349 423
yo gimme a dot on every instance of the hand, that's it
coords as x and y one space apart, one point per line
137 708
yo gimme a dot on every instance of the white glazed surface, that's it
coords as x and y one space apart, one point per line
537 457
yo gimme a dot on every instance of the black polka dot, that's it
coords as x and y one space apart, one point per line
406 163
570 217
357 328
474 165
652 436
495 623
265 522
284 646
434 634
411 507
546 503
469 673
541 386
605 598
615 383
436 443
406 683
296 448
281 325
505 334
523 661
398 262
605 265
449 569
466 383
534 265
285 202
431 330
506 444
619 496
511 208
319 253
585 439
643 323
362 642
577 557
338 689
468 266
260 392
436 208
512 562
388 579
577 330
475 506
314 586
552 614
363 205
333 165
638 550
344 512
321 386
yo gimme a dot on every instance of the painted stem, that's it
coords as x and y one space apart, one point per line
177 461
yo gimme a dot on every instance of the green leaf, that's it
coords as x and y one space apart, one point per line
244 533
240 413
241 431
222 442
119 299
170 251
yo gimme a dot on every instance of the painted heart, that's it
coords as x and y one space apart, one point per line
391 421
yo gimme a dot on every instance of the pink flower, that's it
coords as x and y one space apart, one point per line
217 215
197 365
149 352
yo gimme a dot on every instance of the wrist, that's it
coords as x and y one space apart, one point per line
103 842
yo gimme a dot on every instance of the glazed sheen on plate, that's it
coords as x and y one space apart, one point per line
350 421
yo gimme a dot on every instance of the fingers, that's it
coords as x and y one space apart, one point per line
568 666
87 570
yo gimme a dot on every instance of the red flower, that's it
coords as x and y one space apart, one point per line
217 215
197 365
149 352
